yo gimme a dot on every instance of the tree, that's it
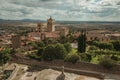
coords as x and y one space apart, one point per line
73 58
103 45
48 54
116 45
52 52
82 43
40 44
68 47
60 51
105 52
49 41
32 45
4 56
40 51
70 37
93 48
86 57
63 39
116 58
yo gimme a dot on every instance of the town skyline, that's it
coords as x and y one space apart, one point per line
69 10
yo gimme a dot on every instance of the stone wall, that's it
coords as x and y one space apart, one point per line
87 66
80 65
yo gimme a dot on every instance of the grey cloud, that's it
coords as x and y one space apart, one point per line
118 3
45 0
62 9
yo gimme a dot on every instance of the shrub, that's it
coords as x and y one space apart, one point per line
116 45
34 56
73 58
89 57
105 52
40 44
103 45
93 48
107 63
68 47
86 57
113 57
40 51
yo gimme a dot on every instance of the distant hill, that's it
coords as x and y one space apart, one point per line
23 20
62 22
93 22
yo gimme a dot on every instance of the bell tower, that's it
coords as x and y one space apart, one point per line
39 27
50 26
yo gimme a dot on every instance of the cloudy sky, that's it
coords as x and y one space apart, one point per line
72 10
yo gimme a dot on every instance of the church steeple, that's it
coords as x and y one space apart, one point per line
50 26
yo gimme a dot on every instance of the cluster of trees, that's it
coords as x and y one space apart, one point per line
116 45
105 52
106 57
103 45
36 45
64 39
93 48
51 52
4 56
62 50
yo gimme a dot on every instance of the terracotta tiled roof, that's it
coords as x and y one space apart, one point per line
30 39
51 35
32 35
1 49
35 34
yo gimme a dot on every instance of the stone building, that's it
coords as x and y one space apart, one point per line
47 31
94 35
64 31
40 27
50 25
115 36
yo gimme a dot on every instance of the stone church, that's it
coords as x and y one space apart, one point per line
47 31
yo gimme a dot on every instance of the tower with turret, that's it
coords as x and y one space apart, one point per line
39 27
50 25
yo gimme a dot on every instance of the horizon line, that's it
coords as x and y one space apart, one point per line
60 20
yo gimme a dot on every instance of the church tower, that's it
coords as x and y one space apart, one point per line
50 26
40 27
